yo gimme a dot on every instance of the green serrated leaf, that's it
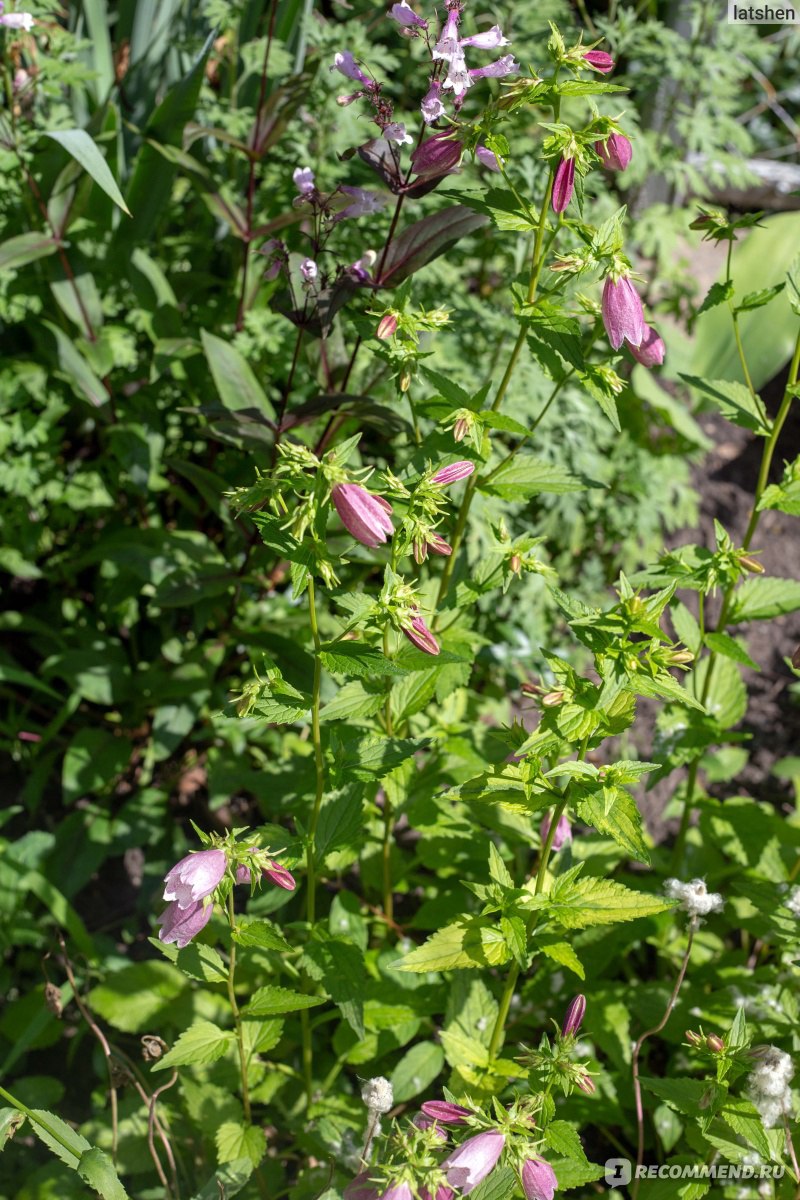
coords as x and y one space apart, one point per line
470 942
202 1042
271 1000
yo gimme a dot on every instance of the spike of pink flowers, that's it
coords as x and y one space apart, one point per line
652 349
622 312
420 636
180 925
195 877
599 60
538 1180
563 184
563 833
453 472
363 515
445 1113
576 1010
615 152
473 1160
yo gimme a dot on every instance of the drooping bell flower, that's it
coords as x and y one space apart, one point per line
599 60
622 312
445 1113
453 472
363 515
448 46
488 158
346 65
400 1191
490 39
576 1010
563 833
180 925
420 636
473 1160
431 105
538 1180
360 1188
441 1193
19 20
404 14
395 131
438 155
652 349
563 184
195 877
615 152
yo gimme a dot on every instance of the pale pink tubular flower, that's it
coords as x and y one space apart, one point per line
445 1113
458 78
615 153
454 472
404 14
576 1010
280 876
652 349
599 60
20 20
363 204
363 515
195 877
622 312
420 636
563 833
431 106
563 184
448 45
488 158
507 65
490 39
396 131
473 1160
180 925
346 65
303 180
538 1180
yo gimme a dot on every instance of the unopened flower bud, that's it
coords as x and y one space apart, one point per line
343 101
599 60
574 1016
515 563
387 327
715 1043
693 1038
438 155
453 472
460 429
552 699
615 152
586 1084
405 379
650 353
680 658
563 184
622 312
751 564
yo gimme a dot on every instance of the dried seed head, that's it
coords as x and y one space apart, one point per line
52 999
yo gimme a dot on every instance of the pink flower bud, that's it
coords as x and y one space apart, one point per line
420 636
345 101
586 1084
563 832
362 514
538 1180
280 876
563 184
195 877
423 1122
404 14
445 1113
387 327
615 152
460 429
599 60
439 546
360 1188
473 1160
400 1191
652 350
442 1193
242 874
488 158
346 65
180 925
573 1016
438 155
622 312
455 471
715 1043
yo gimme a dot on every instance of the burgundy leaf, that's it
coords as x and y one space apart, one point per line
425 240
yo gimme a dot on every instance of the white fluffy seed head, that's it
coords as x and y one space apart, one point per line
694 897
772 1073
377 1094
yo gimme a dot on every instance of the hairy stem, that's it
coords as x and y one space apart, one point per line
237 1020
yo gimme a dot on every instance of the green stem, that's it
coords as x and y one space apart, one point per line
761 484
37 1120
237 1020
388 812
537 259
311 881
